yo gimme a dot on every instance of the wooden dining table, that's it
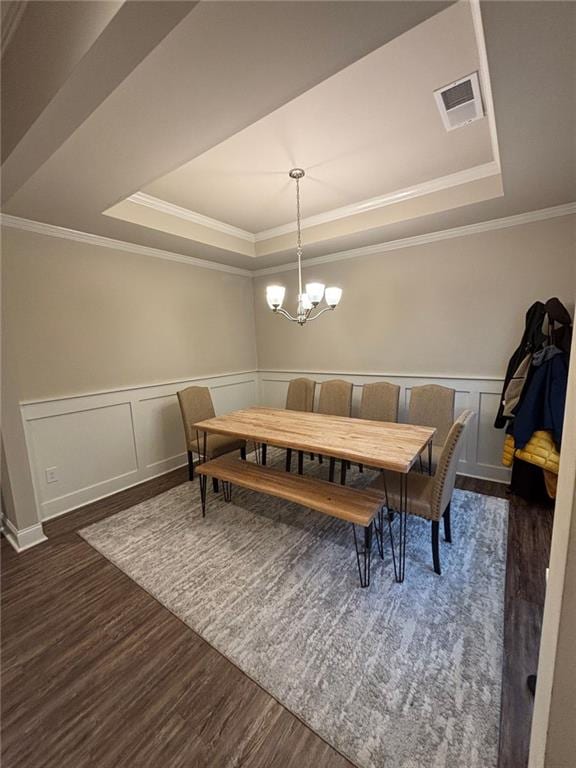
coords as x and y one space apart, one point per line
376 444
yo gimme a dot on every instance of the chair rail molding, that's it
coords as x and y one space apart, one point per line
87 446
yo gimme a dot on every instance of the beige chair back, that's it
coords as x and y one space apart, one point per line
445 477
195 405
380 401
300 395
335 398
432 406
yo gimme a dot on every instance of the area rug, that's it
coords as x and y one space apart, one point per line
392 676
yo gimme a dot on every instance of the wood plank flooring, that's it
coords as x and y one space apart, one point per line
97 673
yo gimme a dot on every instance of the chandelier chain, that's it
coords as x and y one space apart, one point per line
299 238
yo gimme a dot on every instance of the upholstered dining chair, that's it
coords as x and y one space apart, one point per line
300 397
379 403
429 497
335 400
432 406
196 405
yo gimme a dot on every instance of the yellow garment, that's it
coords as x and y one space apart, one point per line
539 450
551 482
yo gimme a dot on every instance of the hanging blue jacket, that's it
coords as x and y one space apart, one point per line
543 401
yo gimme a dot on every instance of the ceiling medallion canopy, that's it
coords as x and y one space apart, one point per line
308 300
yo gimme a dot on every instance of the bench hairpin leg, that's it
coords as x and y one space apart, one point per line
363 554
389 512
203 478
203 481
379 531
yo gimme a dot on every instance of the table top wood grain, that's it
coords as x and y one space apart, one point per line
378 444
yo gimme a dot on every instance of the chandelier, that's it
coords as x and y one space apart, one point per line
309 299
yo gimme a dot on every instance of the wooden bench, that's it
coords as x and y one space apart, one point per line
359 507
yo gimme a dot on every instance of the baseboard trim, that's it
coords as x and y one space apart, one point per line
79 507
22 539
142 481
483 477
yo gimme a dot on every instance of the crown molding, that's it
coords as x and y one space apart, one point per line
381 201
362 206
52 230
485 82
40 228
148 201
432 237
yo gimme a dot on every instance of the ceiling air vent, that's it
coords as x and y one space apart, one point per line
460 103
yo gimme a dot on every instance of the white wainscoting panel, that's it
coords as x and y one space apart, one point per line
483 450
104 442
101 443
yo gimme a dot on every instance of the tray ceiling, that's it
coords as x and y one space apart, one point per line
369 130
181 119
369 136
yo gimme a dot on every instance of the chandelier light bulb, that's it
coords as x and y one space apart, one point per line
315 292
333 296
275 296
305 301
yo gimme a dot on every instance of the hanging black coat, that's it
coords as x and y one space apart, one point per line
532 339
560 325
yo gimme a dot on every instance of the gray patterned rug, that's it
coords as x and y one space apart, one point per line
396 675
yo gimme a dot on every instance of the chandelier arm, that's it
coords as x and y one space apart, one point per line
284 313
325 309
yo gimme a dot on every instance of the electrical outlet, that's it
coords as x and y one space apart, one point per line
52 474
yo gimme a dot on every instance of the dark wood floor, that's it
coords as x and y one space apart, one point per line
97 673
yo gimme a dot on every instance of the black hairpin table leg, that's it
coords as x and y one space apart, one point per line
363 554
379 531
203 478
400 562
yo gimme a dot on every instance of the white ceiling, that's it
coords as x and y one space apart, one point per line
189 86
